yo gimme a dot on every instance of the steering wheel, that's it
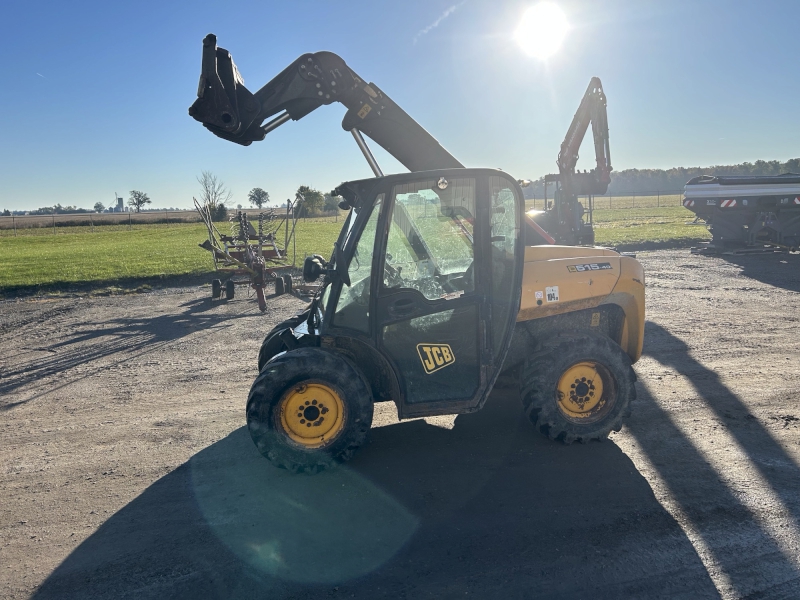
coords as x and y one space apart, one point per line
391 275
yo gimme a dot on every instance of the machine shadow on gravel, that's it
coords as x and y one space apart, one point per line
488 508
126 337
777 269
747 553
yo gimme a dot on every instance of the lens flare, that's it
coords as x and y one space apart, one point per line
541 30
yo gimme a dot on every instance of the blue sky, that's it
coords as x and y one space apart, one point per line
94 95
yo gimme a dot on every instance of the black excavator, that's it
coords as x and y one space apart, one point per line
567 220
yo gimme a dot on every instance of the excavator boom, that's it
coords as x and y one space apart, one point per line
229 110
592 110
564 220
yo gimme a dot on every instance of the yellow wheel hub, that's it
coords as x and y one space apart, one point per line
580 391
312 414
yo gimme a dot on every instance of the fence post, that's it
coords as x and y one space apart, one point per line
286 233
14 224
54 223
129 222
91 220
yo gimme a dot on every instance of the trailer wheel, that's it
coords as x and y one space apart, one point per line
273 344
578 389
216 289
287 280
280 286
230 289
309 409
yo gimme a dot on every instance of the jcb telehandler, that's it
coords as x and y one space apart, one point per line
431 290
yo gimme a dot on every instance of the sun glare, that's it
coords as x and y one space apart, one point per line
541 30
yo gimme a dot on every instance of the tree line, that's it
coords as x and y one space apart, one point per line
642 181
214 194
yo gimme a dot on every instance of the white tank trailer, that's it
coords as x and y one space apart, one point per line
747 211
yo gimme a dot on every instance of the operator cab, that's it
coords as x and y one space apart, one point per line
427 272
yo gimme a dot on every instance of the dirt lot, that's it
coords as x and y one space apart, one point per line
126 470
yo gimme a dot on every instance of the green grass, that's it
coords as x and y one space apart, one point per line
34 259
641 221
642 226
37 258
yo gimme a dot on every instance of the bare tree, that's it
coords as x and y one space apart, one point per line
214 192
138 200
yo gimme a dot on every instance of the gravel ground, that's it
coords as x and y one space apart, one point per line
126 471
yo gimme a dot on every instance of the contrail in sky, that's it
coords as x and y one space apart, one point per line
441 18
42 76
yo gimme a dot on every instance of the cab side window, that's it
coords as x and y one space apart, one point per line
430 245
352 309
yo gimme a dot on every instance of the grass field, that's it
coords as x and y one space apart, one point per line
641 226
641 220
114 255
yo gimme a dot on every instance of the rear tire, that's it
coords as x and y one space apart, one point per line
287 280
230 290
280 286
216 289
578 389
309 409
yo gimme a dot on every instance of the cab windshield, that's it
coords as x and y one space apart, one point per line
352 306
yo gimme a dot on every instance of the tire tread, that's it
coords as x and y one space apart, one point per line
542 370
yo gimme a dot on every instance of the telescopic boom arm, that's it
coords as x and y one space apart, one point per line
229 110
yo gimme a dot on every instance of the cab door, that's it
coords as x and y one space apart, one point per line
450 289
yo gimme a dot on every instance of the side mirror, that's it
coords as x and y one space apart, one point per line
313 267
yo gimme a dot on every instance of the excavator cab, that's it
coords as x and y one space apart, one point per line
418 306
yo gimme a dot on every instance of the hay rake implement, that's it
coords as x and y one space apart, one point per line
250 256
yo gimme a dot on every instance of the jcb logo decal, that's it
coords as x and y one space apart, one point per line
435 356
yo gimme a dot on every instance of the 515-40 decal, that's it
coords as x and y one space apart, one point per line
589 267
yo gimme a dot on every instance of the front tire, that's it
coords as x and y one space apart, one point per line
578 389
273 344
309 409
